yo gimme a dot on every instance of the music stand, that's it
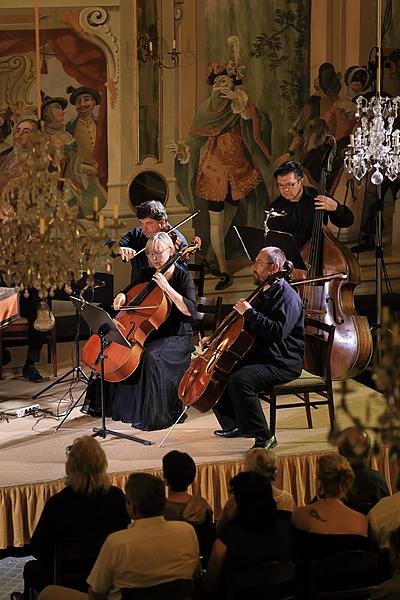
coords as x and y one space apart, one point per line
102 325
254 239
103 292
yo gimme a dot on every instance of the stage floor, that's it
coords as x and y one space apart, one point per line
33 453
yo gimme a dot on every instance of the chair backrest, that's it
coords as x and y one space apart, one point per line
179 589
73 561
318 347
356 570
208 315
199 275
272 580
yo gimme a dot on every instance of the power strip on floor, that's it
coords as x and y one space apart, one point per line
24 411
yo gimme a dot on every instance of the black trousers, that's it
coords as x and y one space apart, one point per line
240 406
28 309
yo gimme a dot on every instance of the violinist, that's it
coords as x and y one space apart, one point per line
148 398
153 219
300 203
276 321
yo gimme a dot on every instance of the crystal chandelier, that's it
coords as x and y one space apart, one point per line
41 240
375 145
42 243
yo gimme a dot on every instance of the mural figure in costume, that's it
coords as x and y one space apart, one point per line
225 160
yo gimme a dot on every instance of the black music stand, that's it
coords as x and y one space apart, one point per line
254 239
102 325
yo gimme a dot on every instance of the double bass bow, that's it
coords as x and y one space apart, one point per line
204 381
146 309
332 300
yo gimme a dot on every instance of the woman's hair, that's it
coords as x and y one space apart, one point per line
160 239
86 467
329 80
256 507
179 470
262 461
335 475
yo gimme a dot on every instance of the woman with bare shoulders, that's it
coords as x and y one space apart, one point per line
328 526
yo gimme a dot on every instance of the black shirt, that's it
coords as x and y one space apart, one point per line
176 323
277 321
300 216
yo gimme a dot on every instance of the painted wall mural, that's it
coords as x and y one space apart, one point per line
73 109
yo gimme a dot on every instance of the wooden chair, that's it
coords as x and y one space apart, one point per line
342 576
73 561
319 381
199 275
179 589
16 334
274 580
208 316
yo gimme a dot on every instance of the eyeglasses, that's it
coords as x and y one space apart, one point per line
288 186
156 254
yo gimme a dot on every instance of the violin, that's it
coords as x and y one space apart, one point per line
204 381
146 309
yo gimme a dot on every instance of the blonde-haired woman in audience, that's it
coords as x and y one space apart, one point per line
328 526
89 508
264 462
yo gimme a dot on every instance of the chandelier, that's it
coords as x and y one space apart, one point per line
375 145
41 240
42 243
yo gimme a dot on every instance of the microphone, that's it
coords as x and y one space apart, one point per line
275 213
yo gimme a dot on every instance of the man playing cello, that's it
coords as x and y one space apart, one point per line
276 320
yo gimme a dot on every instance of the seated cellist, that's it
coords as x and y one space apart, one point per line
148 398
277 322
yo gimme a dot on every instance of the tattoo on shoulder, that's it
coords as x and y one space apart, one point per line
315 514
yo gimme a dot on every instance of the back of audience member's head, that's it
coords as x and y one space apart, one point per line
256 507
394 553
86 467
179 470
262 461
355 445
146 494
335 476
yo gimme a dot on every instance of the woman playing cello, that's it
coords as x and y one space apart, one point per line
148 398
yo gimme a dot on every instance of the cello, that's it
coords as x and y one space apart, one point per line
332 301
146 309
204 381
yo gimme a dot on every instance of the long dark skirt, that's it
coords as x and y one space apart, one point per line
149 398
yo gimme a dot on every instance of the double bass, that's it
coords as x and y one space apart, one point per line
204 381
146 309
332 301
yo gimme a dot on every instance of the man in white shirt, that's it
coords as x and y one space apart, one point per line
150 552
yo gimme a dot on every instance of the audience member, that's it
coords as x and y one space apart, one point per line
369 486
390 589
150 552
88 508
265 462
179 472
384 517
328 526
256 534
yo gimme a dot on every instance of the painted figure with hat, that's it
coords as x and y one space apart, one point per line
225 160
84 127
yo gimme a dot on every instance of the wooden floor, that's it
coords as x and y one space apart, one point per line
32 450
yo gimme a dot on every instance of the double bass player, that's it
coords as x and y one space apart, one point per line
276 321
300 203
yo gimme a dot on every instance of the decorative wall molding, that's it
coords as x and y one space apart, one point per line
93 22
96 21
16 83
